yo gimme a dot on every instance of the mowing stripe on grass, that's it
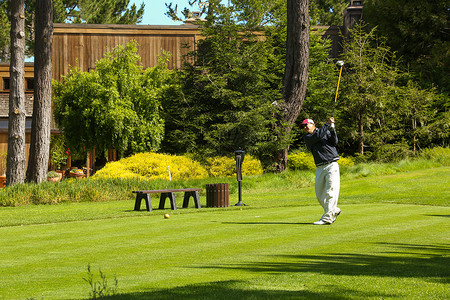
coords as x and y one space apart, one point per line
234 251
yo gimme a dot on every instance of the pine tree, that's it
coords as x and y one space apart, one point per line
15 172
42 104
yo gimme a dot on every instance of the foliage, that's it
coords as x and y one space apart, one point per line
421 118
418 31
370 76
327 12
103 189
151 166
438 154
305 161
99 12
58 151
345 162
301 161
392 152
52 174
100 288
3 160
76 171
115 106
5 28
226 95
223 166
382 109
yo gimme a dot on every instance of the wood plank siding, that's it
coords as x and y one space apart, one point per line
82 45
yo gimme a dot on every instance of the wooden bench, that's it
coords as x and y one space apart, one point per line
169 193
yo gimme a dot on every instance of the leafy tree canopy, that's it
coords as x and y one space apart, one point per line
327 12
419 31
226 93
257 13
116 106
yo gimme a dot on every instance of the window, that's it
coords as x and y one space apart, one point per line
6 83
29 84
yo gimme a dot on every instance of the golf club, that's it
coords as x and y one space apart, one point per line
340 63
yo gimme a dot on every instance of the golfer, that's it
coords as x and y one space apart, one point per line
322 143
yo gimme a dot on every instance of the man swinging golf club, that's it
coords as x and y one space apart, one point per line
322 143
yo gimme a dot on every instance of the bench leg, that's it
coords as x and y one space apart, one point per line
194 195
147 199
162 200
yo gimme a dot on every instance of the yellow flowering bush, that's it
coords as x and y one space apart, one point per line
222 166
301 161
346 162
251 166
305 161
153 166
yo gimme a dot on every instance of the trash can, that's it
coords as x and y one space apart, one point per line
217 195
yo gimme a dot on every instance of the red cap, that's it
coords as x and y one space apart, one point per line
307 121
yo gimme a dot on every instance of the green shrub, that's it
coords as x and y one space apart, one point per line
393 152
153 166
301 161
305 161
346 162
438 154
251 166
222 166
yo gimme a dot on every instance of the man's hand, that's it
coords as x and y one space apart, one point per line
331 122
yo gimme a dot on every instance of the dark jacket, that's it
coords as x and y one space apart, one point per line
322 143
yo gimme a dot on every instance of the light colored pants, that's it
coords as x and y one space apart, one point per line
327 186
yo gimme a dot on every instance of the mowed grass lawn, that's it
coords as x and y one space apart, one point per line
390 242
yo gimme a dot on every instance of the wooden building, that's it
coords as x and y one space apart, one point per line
4 110
81 45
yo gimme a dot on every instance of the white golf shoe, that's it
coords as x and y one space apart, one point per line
336 215
321 222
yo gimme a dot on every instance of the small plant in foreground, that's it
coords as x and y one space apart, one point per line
100 288
52 174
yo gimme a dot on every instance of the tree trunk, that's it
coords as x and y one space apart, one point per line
40 127
361 133
15 172
414 126
296 71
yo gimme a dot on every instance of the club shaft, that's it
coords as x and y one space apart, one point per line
339 80
337 89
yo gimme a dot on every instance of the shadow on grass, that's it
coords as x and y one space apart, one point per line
267 223
405 260
444 216
234 290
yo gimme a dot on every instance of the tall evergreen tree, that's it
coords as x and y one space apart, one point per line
5 28
226 93
42 105
370 77
327 12
15 172
419 31
296 71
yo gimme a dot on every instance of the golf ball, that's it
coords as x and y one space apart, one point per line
166 216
